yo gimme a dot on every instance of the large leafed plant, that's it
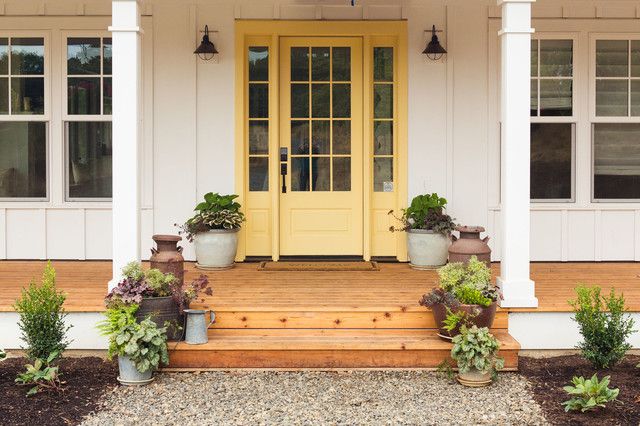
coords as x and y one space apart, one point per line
426 212
215 212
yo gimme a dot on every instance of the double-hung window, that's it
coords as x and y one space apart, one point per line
23 118
552 120
615 118
87 126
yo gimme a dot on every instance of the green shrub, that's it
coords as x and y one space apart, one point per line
587 394
42 317
604 326
3 355
476 348
41 375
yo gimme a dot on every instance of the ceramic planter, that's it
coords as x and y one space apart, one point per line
129 374
427 249
216 249
474 378
478 315
161 309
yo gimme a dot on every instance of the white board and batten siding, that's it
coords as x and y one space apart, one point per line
189 120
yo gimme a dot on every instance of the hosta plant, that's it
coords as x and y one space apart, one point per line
215 212
588 394
41 375
425 212
476 348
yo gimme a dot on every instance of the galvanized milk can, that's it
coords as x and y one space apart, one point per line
196 333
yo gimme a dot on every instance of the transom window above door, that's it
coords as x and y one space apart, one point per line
320 118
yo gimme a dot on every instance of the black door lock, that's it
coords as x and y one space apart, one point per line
284 159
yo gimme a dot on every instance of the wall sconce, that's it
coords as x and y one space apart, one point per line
206 51
434 49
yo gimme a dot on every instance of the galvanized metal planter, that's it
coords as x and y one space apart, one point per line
216 249
129 374
197 326
427 249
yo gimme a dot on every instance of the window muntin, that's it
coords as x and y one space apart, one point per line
88 128
551 78
23 123
258 124
384 119
616 161
617 74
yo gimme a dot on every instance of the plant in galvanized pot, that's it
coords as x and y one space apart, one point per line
475 350
214 231
428 230
466 293
139 346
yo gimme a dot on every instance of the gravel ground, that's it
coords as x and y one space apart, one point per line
371 397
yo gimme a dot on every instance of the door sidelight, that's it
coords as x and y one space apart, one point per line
284 160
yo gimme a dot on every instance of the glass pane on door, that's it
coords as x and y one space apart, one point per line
320 119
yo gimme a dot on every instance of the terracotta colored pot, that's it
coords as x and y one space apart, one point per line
167 257
162 309
474 378
469 244
479 315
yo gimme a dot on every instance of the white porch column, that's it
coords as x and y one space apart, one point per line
126 133
517 287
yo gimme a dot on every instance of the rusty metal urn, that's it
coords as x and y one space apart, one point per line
167 256
469 244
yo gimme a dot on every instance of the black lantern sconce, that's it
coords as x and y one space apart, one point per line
434 49
206 51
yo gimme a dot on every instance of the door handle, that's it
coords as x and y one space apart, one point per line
284 161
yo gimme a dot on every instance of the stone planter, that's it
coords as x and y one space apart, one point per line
427 249
478 315
216 249
161 309
474 378
129 374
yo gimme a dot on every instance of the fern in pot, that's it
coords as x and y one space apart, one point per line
214 231
428 230
475 350
141 346
465 294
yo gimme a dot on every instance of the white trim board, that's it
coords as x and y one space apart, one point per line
552 330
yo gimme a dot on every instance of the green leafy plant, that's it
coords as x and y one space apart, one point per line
588 394
215 212
604 324
445 370
476 348
144 343
425 212
41 375
455 319
42 317
3 355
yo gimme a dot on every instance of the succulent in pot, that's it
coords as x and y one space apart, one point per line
428 230
465 293
162 297
475 350
214 231
141 346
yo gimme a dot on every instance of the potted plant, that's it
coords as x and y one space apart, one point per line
214 231
466 293
158 296
139 345
428 230
475 350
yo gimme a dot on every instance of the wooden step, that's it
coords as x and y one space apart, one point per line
324 348
336 317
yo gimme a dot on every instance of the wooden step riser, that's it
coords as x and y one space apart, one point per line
320 359
335 320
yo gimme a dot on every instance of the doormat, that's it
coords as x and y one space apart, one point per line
318 266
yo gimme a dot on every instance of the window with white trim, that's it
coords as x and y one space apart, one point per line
87 126
23 122
552 122
616 122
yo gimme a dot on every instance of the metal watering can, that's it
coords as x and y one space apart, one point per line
196 333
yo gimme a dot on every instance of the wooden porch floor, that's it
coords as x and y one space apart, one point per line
395 288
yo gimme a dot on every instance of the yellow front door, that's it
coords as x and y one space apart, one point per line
321 141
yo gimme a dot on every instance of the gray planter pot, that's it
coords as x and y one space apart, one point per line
216 249
427 249
474 378
129 374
